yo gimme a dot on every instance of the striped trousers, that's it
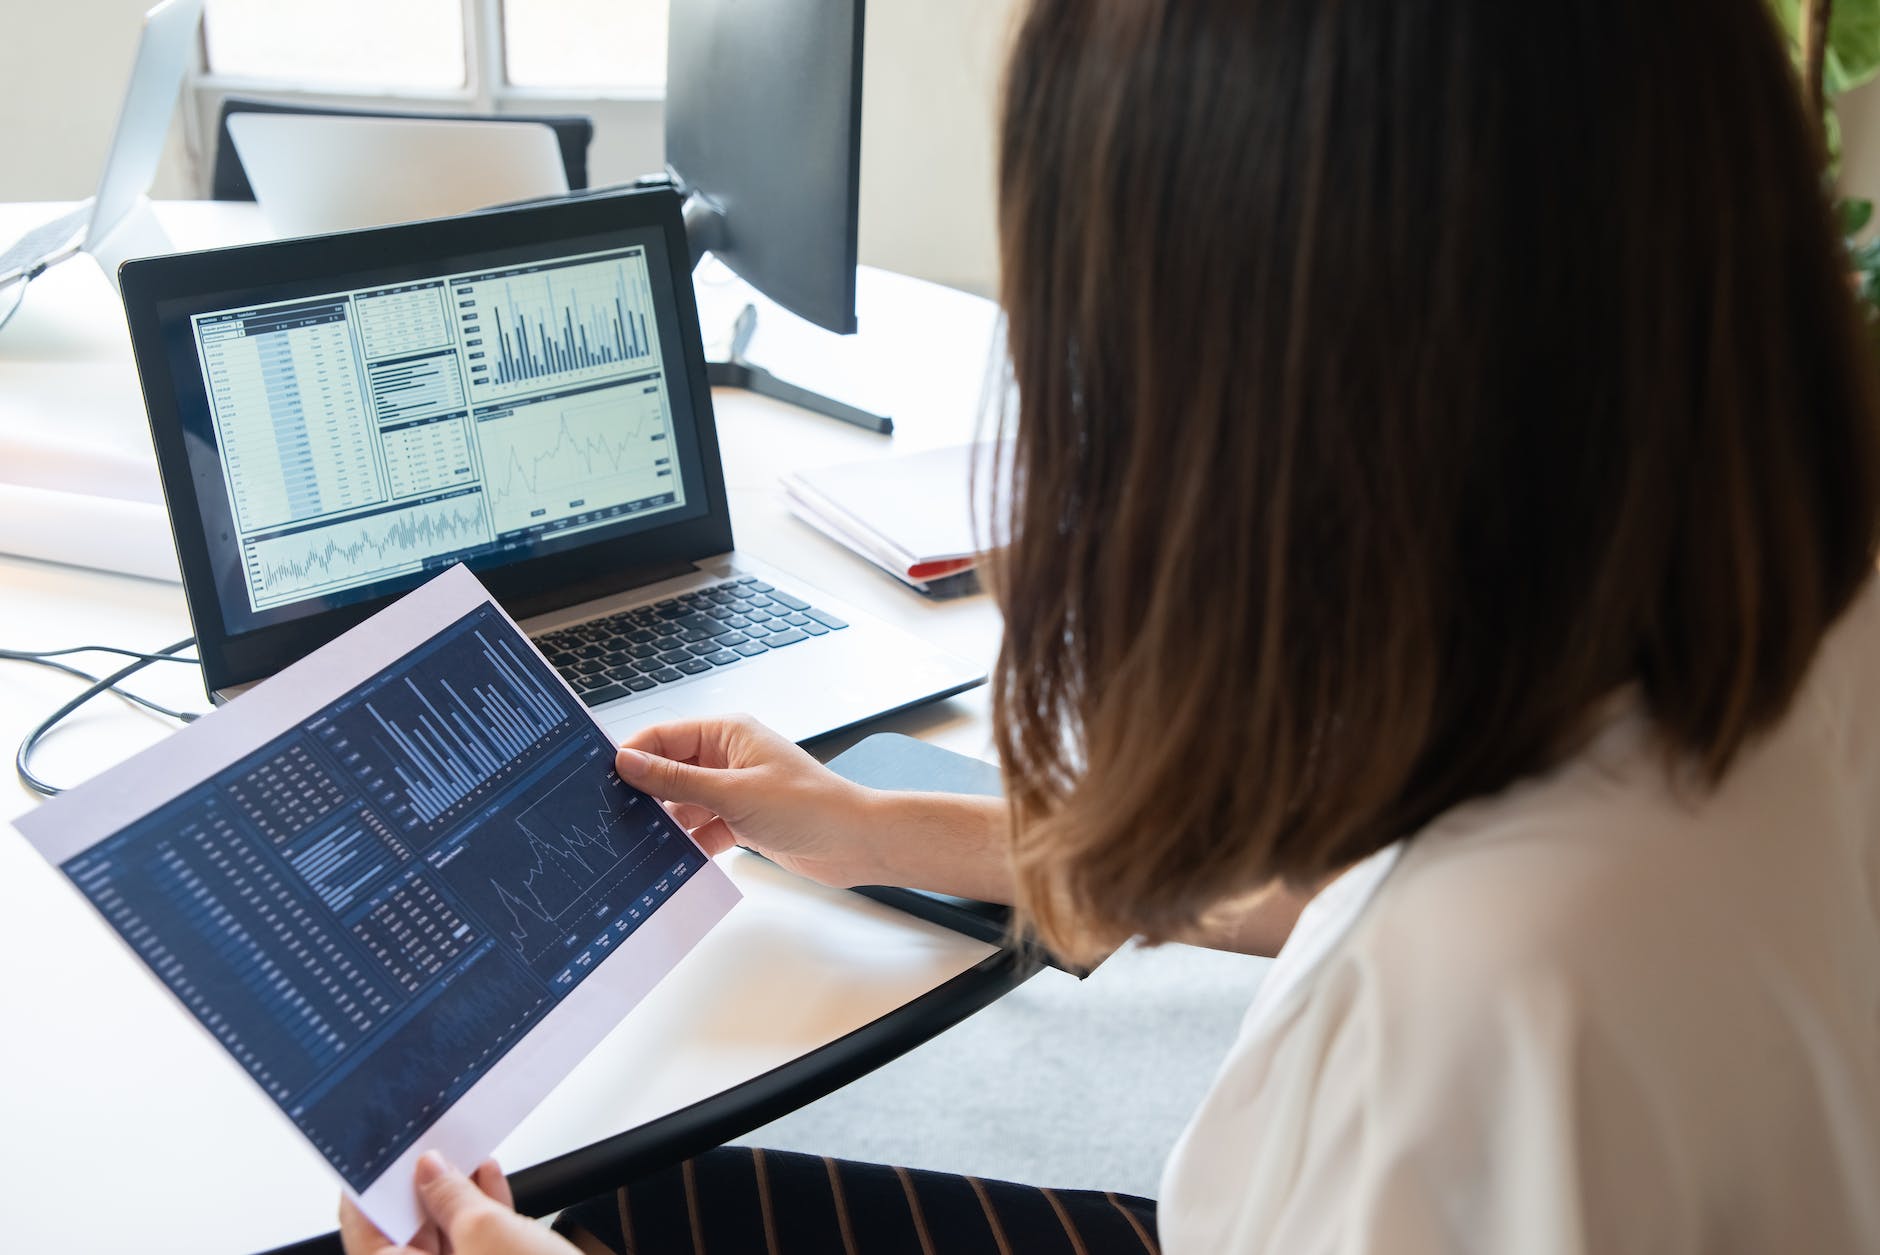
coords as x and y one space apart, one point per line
739 1201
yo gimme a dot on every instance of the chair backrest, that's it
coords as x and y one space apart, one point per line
228 181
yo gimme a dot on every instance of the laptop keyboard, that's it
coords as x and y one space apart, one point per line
43 241
720 625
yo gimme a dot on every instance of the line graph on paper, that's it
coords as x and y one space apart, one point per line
362 550
582 850
573 455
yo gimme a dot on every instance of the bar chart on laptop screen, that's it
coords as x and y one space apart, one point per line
573 420
367 436
557 325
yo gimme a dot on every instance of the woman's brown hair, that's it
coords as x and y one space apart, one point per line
1396 380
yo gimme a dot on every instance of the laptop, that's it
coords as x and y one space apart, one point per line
163 52
338 418
314 172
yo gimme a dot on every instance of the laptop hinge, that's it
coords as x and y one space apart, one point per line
616 581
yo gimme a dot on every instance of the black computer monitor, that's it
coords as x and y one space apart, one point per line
764 136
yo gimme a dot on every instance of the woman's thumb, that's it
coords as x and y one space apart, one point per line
449 1197
671 781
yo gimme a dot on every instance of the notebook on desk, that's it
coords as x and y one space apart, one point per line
911 514
338 417
889 760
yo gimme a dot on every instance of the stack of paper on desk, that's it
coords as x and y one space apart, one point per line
910 515
63 500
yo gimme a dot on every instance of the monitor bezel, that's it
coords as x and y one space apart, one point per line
763 122
525 587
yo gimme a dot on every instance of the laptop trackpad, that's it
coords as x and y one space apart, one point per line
625 724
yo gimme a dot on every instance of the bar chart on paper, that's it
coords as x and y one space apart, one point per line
552 326
369 910
451 728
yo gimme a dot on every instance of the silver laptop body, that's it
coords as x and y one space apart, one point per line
305 168
338 417
804 690
163 52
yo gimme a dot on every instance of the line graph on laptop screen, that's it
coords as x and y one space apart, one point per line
563 454
380 432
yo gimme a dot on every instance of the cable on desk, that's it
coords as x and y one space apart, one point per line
136 699
22 760
43 657
18 289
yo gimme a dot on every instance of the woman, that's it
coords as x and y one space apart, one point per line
1446 495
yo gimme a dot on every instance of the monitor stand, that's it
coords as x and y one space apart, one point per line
738 371
704 230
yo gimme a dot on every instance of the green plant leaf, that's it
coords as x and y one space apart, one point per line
1853 55
1788 12
1856 213
1854 38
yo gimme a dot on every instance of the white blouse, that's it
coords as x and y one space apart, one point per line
1600 1012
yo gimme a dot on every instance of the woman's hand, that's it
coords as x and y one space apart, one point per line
464 1215
735 782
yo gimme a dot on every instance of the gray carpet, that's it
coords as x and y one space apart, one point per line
1074 1084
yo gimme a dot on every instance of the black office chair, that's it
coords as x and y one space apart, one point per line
228 181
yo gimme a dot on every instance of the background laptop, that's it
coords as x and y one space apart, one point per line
316 172
143 123
338 418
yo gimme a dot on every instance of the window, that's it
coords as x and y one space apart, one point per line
415 45
483 51
617 45
602 58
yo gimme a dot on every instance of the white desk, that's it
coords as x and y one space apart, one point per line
122 1126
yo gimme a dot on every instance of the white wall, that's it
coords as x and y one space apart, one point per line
930 95
63 64
930 85
1859 112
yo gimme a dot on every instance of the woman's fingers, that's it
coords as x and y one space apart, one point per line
449 1197
715 837
360 1236
672 781
490 1179
688 740
690 817
735 782
357 1234
477 1214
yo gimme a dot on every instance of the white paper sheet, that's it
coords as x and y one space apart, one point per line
916 506
68 498
628 968
105 533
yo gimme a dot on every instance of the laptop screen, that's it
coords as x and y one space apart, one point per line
346 439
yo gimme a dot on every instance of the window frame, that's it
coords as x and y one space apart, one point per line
628 121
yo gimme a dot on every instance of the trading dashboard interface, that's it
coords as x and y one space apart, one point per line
375 433
372 909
